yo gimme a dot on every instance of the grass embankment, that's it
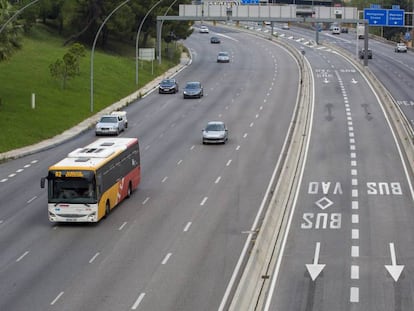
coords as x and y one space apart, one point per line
58 109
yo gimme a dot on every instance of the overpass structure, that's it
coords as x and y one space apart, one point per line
231 11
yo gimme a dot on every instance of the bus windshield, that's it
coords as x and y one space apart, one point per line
72 190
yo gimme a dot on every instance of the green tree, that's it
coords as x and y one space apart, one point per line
64 69
10 38
78 51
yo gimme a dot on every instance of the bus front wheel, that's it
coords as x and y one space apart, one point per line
129 190
107 209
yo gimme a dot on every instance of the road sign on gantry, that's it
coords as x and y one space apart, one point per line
376 17
396 18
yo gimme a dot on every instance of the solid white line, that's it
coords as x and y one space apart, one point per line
146 200
122 226
166 258
355 251
94 257
217 180
355 234
228 162
138 301
187 226
203 201
22 256
31 200
354 296
56 299
354 272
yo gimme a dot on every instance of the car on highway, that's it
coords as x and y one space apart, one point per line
344 29
168 86
285 26
215 40
336 30
204 29
110 125
193 89
215 132
362 52
223 57
401 48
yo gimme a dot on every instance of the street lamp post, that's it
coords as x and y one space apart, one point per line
159 31
15 14
94 43
136 43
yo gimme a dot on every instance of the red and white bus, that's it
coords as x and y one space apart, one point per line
90 181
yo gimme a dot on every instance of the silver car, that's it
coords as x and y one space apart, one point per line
110 125
215 132
223 57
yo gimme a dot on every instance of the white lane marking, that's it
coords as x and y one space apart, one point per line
146 200
351 134
354 172
355 251
4 180
187 226
251 124
217 180
192 147
261 108
354 272
355 205
244 135
354 193
12 175
238 147
31 200
94 257
257 116
179 162
138 301
204 201
57 298
353 155
354 182
26 166
228 162
34 161
164 179
22 256
352 147
122 226
352 140
355 218
354 296
147 147
19 170
166 258
354 163
350 128
355 234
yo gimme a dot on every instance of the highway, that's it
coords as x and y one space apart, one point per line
174 244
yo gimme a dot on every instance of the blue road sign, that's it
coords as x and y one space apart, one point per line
396 18
376 17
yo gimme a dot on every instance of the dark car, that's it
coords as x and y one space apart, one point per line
344 29
215 40
168 86
362 52
193 89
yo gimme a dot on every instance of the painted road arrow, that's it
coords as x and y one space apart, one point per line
394 269
315 268
354 81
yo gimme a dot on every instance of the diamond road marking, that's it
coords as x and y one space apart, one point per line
324 203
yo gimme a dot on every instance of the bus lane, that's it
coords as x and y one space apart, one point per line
350 234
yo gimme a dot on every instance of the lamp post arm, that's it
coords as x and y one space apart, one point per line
94 43
15 14
136 43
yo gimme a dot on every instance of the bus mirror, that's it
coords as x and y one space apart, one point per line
42 182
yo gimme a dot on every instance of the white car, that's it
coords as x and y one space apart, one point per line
123 115
215 132
204 29
401 48
285 26
223 57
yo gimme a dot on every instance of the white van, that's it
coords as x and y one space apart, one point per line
336 30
